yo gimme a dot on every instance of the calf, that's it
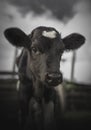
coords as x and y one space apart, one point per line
39 72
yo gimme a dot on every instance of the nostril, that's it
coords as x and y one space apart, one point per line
60 78
49 76
59 75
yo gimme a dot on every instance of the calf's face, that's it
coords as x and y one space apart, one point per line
45 48
44 55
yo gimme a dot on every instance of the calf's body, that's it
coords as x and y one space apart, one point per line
40 75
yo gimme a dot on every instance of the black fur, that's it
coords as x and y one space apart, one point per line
39 74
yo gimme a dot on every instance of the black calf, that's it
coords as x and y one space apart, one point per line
40 75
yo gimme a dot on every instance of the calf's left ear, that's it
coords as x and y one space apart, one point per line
17 37
73 41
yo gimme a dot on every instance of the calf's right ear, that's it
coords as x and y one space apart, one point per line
17 37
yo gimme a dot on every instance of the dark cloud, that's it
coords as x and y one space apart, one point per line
59 8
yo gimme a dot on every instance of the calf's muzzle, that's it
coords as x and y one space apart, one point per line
53 79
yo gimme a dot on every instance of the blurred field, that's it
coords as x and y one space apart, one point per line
73 118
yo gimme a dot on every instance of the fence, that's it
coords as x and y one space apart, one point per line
78 96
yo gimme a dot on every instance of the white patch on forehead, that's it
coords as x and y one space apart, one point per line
49 34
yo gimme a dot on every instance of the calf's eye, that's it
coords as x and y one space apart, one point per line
35 50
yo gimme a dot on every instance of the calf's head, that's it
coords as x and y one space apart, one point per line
45 48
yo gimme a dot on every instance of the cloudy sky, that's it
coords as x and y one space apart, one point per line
67 16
